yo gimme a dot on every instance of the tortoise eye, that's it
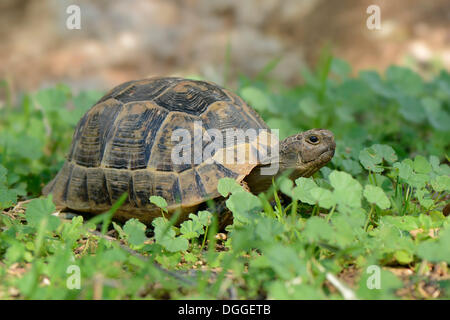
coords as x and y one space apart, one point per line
313 139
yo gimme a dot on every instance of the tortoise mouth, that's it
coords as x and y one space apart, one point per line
326 155
319 162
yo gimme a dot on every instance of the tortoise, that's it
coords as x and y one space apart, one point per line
124 143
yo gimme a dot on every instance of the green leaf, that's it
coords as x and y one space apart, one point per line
411 109
375 82
418 180
310 107
165 236
191 229
169 259
72 231
3 173
39 213
386 152
122 234
351 166
406 223
189 257
85 99
404 80
405 169
436 250
388 282
135 231
256 98
7 197
244 205
341 67
437 116
424 198
377 196
421 165
52 99
349 227
303 189
227 186
285 262
203 217
175 244
114 255
441 183
371 158
403 256
286 185
323 197
347 191
267 229
15 252
159 202
283 290
317 229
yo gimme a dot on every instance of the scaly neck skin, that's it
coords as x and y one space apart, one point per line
298 157
258 182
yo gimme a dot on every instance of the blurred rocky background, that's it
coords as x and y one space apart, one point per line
122 40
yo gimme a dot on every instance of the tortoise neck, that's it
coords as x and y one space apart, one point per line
258 182
260 178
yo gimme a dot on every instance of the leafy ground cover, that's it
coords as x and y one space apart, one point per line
373 224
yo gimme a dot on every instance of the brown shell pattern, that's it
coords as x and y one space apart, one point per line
123 144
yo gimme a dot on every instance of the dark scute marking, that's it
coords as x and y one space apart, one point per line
134 137
109 116
132 195
234 98
142 187
150 183
97 188
115 91
227 172
118 183
211 173
145 90
66 187
77 193
192 97
257 117
189 188
223 116
161 157
176 191
90 138
108 191
84 187
201 187
166 186
77 134
87 150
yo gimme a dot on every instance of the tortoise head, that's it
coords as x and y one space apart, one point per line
305 153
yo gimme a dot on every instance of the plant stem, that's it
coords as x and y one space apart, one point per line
369 217
331 213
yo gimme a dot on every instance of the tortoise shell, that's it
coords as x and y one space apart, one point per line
123 144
